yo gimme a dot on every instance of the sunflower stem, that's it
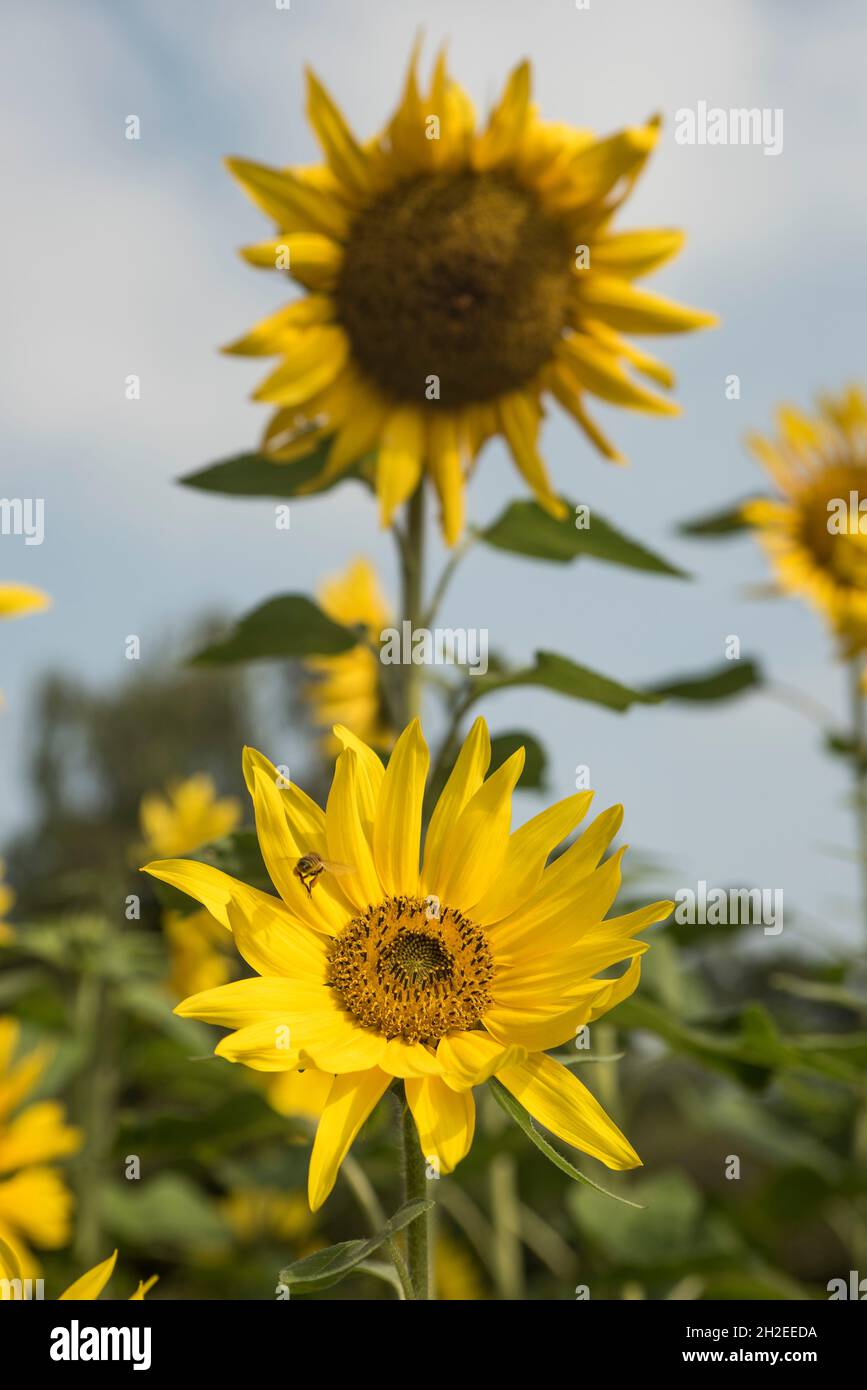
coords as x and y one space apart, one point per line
415 1189
859 763
412 576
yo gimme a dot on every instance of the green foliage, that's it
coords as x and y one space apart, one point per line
253 475
525 528
287 627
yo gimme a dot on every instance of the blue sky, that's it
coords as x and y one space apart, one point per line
120 258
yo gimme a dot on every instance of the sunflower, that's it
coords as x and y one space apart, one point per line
813 533
7 900
35 1203
347 688
86 1288
191 815
454 278
469 968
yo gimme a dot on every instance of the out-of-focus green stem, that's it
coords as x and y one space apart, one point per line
95 1025
859 762
412 574
506 1214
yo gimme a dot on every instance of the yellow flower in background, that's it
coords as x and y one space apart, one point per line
18 600
191 815
88 1287
7 901
455 276
469 968
456 1274
200 952
35 1202
302 1093
812 533
259 1213
347 688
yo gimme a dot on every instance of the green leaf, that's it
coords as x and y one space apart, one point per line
674 1228
723 523
504 745
326 1267
288 626
526 529
169 1211
254 475
566 677
729 679
517 1112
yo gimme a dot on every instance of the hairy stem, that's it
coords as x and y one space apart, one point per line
415 1189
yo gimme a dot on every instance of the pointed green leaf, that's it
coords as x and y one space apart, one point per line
289 626
254 475
722 523
517 1112
526 529
558 673
326 1267
729 679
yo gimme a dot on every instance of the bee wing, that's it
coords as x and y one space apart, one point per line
339 869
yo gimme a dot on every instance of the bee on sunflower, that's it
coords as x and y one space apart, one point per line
442 976
455 278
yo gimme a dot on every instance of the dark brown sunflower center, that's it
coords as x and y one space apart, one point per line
831 523
458 277
411 972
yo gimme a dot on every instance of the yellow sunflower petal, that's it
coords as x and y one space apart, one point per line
293 203
631 254
554 1097
345 156
399 463
397 830
621 305
464 781
265 338
348 840
468 1059
527 854
311 259
445 1120
475 847
598 371
40 1133
352 1098
310 363
16 600
520 424
448 476
37 1204
91 1284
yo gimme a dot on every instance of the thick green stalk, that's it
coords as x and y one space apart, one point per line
412 573
415 1189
